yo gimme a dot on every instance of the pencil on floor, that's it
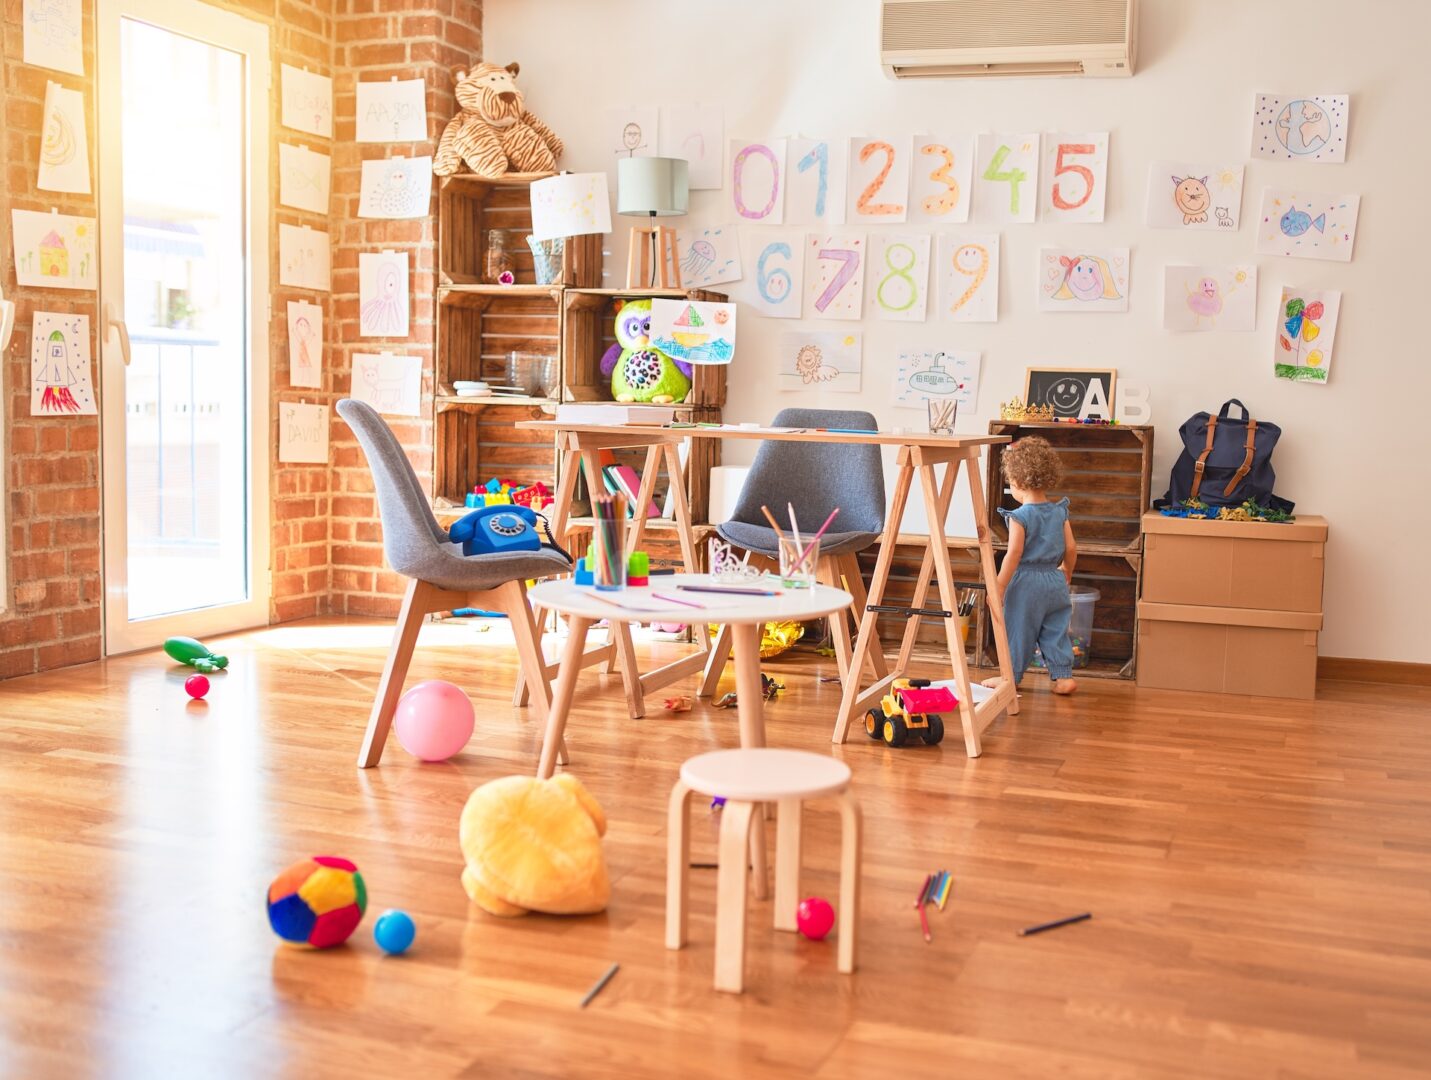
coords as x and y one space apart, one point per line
600 984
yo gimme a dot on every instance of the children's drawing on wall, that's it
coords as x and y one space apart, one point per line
632 131
1074 184
382 294
394 110
941 178
898 278
305 344
60 366
1006 177
777 262
396 187
1306 329
52 33
816 184
391 384
1210 297
1286 127
820 360
307 101
1083 279
694 331
1194 195
303 258
570 204
709 256
1073 393
1307 224
54 250
877 192
302 433
969 276
695 133
303 178
939 376
834 275
64 147
757 181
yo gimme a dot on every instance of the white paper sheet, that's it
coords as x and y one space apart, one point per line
64 145
820 360
305 344
392 111
968 276
1074 184
307 101
1307 224
694 331
1286 127
395 187
877 192
383 299
1210 297
572 204
53 32
56 251
304 260
1083 280
302 433
1006 177
390 384
757 181
941 186
1194 196
897 280
303 178
1306 329
815 182
950 375
632 131
709 255
697 134
60 378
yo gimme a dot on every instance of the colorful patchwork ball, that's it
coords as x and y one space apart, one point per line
317 902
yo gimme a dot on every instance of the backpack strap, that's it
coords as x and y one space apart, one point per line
1201 463
1246 466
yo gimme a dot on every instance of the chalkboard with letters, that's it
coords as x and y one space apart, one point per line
1073 392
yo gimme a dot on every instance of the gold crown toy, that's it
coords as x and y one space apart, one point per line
1018 412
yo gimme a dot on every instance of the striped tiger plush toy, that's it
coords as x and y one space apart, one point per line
493 131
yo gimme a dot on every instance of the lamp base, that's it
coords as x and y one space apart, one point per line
662 273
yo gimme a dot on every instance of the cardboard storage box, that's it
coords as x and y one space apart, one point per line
1228 650
1234 564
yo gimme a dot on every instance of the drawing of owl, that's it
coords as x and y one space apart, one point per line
811 367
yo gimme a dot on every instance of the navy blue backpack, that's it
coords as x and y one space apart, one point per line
1225 461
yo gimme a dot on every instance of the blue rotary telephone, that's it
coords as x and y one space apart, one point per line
500 530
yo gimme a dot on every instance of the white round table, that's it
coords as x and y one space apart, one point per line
664 601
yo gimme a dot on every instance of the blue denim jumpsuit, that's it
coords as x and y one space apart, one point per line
1036 604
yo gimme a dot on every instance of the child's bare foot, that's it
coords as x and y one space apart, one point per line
994 683
1064 686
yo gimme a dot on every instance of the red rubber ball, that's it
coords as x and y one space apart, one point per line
815 917
196 686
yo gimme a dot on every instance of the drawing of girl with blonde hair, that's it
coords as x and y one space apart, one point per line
1086 278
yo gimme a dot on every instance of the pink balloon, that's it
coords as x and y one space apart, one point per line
814 917
434 720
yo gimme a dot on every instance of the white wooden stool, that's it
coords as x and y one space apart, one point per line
745 779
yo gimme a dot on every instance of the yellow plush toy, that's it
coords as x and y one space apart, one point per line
493 131
534 845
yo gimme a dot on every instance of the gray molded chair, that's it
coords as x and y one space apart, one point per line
440 577
814 478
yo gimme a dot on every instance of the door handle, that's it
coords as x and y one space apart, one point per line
111 323
7 323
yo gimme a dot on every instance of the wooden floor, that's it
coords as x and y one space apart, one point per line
1259 873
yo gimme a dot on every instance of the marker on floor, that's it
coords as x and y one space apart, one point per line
600 984
1041 927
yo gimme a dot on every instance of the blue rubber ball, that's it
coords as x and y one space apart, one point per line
394 932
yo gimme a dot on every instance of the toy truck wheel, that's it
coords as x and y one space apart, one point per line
895 731
934 734
874 720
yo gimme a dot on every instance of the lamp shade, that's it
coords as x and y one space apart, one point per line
652 185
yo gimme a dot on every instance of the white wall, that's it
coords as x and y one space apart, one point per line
784 67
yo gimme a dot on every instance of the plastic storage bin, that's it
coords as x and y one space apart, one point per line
1080 627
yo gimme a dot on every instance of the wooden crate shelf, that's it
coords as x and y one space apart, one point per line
476 331
1108 475
468 208
474 445
589 329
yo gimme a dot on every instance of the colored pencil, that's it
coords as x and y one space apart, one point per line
600 984
944 892
729 592
794 528
923 890
677 600
773 523
805 554
924 923
1041 927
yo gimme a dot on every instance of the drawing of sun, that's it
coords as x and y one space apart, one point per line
1227 178
849 339
81 230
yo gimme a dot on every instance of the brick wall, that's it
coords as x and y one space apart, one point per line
52 610
376 40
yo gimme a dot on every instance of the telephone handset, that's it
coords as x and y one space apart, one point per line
498 530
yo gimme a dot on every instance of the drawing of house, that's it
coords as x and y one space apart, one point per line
54 256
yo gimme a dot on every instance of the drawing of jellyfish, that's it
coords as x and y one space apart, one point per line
699 258
811 367
385 312
1086 278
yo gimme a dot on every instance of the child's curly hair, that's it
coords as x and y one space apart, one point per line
1032 464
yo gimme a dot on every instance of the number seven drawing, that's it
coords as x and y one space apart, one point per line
835 272
849 265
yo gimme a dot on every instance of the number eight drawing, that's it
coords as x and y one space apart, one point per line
981 255
901 272
738 193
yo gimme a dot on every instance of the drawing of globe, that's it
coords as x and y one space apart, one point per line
1303 126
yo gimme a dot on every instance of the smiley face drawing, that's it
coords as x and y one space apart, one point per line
1066 396
1190 196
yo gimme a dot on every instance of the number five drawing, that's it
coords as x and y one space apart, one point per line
1060 168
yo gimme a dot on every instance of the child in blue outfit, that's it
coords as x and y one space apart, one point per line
1038 567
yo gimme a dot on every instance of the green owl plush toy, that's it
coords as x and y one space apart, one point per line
640 372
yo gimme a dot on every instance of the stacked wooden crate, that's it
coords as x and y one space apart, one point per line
1108 473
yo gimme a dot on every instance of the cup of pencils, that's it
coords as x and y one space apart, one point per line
607 550
797 562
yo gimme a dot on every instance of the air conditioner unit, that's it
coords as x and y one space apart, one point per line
924 39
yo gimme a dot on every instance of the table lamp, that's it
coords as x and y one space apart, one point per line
652 187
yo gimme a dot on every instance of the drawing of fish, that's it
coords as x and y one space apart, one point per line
1296 222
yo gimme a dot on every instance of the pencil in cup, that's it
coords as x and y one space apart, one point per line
608 550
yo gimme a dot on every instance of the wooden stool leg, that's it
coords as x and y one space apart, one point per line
414 607
750 707
678 865
855 585
787 862
512 601
715 664
630 675
851 825
731 885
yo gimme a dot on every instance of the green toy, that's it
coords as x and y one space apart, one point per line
648 375
196 654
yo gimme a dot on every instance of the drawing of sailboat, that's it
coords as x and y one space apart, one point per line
690 332
692 341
